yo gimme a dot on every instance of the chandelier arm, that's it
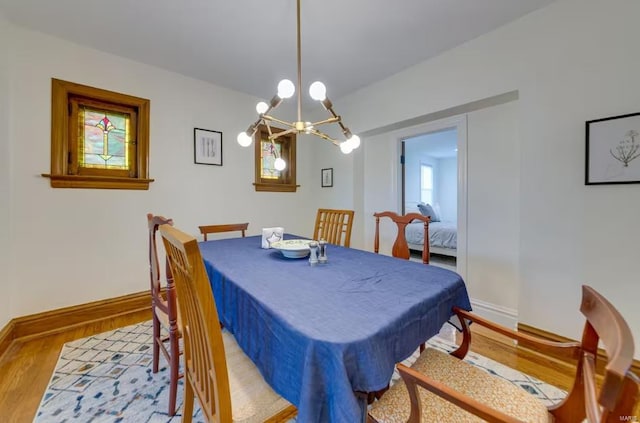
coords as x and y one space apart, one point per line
268 128
282 133
281 122
338 120
275 102
344 128
251 130
329 107
299 66
327 104
323 122
324 136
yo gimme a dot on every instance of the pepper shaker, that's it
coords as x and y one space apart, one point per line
322 247
313 255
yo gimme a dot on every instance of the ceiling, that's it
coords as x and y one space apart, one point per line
439 144
249 45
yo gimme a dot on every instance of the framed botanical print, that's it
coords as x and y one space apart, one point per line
613 150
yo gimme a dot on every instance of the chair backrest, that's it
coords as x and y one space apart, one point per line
334 226
205 362
400 247
230 227
153 222
619 390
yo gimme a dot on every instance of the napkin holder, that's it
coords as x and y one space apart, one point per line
270 235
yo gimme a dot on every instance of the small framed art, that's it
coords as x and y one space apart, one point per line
207 147
613 145
326 178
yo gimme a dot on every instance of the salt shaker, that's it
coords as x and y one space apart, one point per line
313 255
322 253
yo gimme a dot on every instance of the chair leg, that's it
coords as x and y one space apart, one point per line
187 407
174 367
156 343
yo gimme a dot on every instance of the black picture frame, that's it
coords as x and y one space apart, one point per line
207 147
612 145
326 177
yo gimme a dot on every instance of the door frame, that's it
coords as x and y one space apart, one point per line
460 124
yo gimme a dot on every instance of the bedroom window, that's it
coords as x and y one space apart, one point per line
426 183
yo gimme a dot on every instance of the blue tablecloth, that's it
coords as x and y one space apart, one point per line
318 334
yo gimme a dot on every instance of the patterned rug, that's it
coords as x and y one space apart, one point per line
107 378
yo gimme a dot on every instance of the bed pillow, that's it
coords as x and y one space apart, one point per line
427 210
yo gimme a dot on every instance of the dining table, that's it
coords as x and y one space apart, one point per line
323 336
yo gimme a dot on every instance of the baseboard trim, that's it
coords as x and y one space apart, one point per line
55 321
6 337
533 331
503 315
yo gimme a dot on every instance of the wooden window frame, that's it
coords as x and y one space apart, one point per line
287 180
65 172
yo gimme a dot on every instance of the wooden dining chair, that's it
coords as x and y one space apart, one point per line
164 311
334 226
443 388
231 227
400 247
227 384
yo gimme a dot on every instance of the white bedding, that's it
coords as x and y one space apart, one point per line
441 234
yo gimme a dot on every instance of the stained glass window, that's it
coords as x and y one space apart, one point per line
104 140
266 153
99 138
269 153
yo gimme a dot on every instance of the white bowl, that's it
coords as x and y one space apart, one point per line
292 248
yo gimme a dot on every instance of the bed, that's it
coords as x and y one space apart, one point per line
443 237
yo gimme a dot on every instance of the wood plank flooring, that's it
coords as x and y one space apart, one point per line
25 369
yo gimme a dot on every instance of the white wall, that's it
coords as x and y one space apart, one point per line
323 154
572 61
5 314
72 246
493 215
448 189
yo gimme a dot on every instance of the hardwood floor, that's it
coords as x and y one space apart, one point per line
27 366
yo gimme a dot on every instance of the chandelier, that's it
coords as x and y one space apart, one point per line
287 89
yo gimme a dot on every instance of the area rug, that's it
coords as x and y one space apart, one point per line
107 378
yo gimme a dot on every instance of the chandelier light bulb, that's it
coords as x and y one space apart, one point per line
354 142
244 139
279 164
308 126
262 107
286 88
318 91
345 147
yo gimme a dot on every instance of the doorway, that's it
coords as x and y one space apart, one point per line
433 171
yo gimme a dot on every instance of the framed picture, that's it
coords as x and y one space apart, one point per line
613 145
207 147
326 177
